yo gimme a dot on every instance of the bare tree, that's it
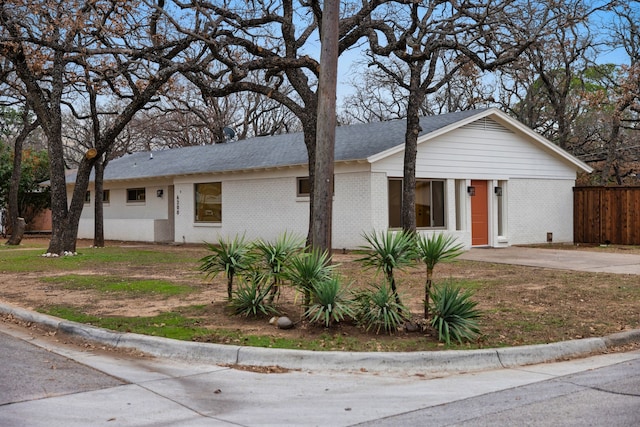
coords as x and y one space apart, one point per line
66 54
544 87
431 42
624 97
276 39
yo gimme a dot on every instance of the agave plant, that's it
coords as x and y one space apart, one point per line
330 304
228 256
377 308
388 251
432 250
249 298
276 255
454 314
307 268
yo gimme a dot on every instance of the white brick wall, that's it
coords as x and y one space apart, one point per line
539 206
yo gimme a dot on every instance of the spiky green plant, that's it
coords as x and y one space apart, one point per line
454 314
307 268
432 250
249 298
275 255
389 251
330 304
377 308
228 256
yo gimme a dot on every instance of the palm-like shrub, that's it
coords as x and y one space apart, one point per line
377 308
275 255
389 251
330 304
249 298
454 314
228 256
432 250
307 268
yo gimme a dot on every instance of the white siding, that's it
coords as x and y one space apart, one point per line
476 151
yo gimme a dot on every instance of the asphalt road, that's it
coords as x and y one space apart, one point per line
45 383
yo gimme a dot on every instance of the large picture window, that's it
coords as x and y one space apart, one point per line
208 202
429 203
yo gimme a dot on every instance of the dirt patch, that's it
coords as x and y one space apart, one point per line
521 305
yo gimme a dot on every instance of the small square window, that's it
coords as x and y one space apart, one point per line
87 197
136 195
303 186
106 196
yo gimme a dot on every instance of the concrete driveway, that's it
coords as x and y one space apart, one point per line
563 259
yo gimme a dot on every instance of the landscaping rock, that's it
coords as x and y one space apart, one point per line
412 327
284 323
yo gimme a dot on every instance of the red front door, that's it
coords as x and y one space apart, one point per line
479 214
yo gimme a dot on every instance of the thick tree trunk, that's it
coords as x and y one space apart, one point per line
408 211
77 204
326 127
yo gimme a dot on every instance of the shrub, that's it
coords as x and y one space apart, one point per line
276 255
307 268
230 257
377 308
249 298
329 302
388 251
454 314
432 250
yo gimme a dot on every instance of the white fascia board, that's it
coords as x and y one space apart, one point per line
504 119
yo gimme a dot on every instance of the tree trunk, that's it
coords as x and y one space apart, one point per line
416 96
326 127
98 225
77 203
13 209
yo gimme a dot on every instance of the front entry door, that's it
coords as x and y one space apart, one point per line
479 214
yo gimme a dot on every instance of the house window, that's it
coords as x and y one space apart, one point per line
105 196
136 195
87 197
429 203
208 198
303 186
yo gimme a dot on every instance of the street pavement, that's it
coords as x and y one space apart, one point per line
112 389
45 383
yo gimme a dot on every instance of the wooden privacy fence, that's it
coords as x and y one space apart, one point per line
606 215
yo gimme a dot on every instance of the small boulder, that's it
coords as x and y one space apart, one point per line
411 327
284 323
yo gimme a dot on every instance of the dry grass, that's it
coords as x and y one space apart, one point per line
521 305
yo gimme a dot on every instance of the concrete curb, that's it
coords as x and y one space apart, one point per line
423 361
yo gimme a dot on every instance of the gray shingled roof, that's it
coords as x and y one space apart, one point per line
354 142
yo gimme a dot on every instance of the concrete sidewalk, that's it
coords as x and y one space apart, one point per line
591 261
169 392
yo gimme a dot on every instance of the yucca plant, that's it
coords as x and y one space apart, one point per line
307 268
454 314
276 255
389 251
377 308
432 250
330 304
228 256
249 298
